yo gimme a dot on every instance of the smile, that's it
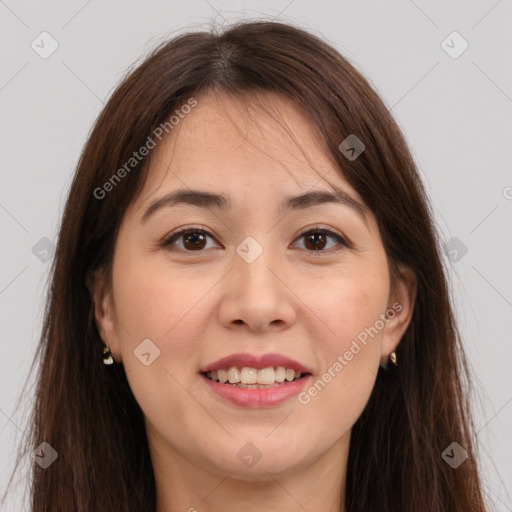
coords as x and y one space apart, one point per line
270 388
252 378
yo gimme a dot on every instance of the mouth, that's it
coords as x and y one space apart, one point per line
255 388
253 378
255 381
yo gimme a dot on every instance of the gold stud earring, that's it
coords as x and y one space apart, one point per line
107 356
392 358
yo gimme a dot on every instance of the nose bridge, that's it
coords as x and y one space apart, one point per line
256 295
255 261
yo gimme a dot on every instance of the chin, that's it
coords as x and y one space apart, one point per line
253 460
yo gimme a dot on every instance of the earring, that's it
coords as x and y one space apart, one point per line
392 358
107 356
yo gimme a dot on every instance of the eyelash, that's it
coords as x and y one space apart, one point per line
169 239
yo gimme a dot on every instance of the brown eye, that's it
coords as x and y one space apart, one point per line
192 239
196 239
318 239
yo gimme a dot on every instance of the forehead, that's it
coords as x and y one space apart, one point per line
227 143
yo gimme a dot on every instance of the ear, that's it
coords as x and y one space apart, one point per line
401 302
100 289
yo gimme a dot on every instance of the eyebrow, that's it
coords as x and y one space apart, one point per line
207 200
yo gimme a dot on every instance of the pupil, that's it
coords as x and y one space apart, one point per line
195 238
315 238
313 241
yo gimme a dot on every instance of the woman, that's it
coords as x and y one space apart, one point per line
248 247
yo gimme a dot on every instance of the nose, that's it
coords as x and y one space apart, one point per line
256 296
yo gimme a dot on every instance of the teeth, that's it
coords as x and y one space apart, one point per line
266 376
233 375
280 374
290 374
251 377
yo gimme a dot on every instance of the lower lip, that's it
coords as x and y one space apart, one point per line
263 397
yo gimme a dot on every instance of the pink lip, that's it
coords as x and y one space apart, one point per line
255 398
258 362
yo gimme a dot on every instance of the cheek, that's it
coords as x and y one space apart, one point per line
153 303
349 303
348 316
154 300
163 306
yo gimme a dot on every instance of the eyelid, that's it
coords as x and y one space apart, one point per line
327 230
175 234
315 228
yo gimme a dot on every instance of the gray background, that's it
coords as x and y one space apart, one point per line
456 114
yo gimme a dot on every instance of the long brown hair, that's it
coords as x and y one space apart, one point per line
87 412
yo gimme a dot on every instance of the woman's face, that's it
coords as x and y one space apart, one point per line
249 284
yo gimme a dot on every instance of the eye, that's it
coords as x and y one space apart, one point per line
316 239
195 238
192 238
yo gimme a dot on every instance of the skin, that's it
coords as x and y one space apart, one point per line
197 306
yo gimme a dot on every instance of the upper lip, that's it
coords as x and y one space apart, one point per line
254 361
